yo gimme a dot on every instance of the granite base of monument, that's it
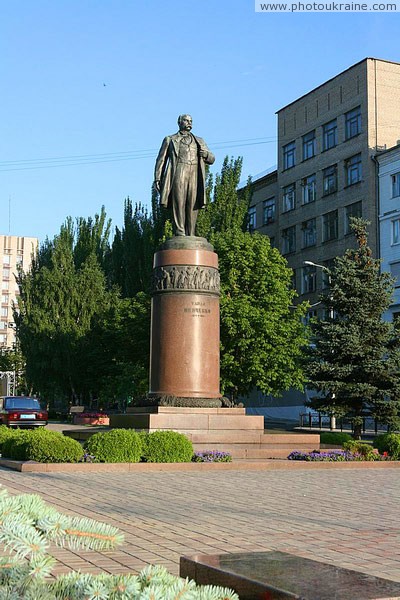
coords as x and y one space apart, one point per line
225 429
282 576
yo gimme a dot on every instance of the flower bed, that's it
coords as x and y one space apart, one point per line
91 419
211 456
337 456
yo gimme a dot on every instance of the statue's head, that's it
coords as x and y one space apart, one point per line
185 122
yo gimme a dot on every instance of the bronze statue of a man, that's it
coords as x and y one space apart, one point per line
180 175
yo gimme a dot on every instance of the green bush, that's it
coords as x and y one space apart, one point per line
42 445
366 451
5 434
14 446
166 447
390 443
115 446
335 438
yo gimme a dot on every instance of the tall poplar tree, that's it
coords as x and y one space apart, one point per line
354 362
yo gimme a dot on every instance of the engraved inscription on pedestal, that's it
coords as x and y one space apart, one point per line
186 278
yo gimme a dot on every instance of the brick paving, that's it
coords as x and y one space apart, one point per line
348 518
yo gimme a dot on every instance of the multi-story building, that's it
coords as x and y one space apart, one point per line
389 220
327 141
14 252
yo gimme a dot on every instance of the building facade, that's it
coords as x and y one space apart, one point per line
327 141
389 220
15 252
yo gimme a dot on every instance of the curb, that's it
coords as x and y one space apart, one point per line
267 465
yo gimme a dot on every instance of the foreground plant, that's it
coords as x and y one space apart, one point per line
27 528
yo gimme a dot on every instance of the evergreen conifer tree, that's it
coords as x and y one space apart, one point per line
355 359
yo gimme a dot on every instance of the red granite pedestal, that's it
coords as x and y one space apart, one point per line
184 353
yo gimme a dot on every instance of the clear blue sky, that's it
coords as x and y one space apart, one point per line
85 78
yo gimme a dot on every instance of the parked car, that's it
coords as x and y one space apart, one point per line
22 411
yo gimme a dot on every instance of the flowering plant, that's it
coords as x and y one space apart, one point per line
332 456
92 415
211 456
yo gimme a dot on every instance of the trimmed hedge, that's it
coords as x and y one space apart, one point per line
42 445
166 447
334 437
390 443
115 446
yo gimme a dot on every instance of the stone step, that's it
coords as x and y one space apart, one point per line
263 439
188 422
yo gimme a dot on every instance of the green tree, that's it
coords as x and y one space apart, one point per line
57 304
355 359
262 334
227 208
130 262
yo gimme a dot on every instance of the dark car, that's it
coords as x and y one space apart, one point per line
21 411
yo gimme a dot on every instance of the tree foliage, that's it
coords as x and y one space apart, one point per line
355 360
227 208
261 332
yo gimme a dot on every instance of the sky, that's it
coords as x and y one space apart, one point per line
89 88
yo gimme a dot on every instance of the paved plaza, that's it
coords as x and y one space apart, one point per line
349 518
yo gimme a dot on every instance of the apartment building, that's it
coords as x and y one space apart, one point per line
14 252
327 142
389 220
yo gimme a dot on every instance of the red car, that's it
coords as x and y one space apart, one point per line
21 411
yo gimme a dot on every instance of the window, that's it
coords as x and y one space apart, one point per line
3 338
272 242
6 259
309 189
289 197
309 145
329 135
252 218
353 169
309 230
3 325
289 155
329 180
4 311
395 272
330 223
289 240
353 123
308 280
396 231
353 210
310 314
19 259
4 298
269 211
395 185
6 274
5 285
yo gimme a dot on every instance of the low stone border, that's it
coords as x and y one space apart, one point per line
240 465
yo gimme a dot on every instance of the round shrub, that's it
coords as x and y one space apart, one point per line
336 438
166 447
365 451
5 434
43 446
390 443
52 447
115 446
14 447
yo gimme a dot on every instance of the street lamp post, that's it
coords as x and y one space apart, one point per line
324 268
